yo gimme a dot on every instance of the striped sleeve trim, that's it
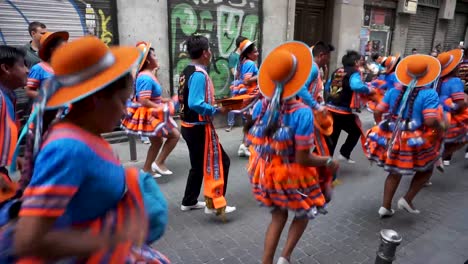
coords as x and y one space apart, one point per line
33 83
304 142
144 94
458 96
431 113
50 201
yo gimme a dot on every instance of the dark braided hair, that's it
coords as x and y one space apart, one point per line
412 98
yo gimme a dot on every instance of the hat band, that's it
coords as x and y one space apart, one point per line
73 79
417 76
292 71
448 63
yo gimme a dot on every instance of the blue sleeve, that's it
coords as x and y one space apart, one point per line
456 86
233 60
196 100
357 85
35 77
257 109
144 87
307 97
249 67
58 174
304 92
304 128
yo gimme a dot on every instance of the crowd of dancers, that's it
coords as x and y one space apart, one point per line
293 115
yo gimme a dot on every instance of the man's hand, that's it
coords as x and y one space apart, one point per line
223 110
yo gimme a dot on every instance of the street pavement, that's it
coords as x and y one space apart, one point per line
348 234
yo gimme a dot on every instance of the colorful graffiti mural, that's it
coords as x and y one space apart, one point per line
221 21
80 17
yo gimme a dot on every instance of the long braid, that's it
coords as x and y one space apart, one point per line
398 101
412 99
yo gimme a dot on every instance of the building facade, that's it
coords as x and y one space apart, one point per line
383 26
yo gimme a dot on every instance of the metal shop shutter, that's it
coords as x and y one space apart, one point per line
98 18
456 31
421 30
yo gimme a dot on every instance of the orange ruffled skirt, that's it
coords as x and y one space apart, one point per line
150 122
285 186
457 132
403 158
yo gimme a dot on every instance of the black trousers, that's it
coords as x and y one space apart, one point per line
195 138
348 124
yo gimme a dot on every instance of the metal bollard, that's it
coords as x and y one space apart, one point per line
389 241
132 145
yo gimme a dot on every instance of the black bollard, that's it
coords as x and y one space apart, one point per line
389 241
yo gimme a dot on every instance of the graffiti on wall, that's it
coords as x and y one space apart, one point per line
79 17
221 21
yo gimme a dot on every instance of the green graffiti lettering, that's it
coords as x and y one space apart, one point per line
183 17
206 21
250 27
229 25
219 73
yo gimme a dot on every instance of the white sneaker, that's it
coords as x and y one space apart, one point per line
384 212
282 260
229 209
446 162
343 158
243 151
466 155
198 205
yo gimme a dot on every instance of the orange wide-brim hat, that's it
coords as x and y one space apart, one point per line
324 122
47 38
449 60
144 47
391 62
245 44
85 66
424 69
288 65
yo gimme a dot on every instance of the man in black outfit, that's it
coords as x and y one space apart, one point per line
346 82
208 159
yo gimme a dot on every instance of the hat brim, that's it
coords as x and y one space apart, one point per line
304 65
247 46
457 58
125 59
391 67
433 70
145 55
59 34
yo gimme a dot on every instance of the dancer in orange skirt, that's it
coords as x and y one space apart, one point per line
407 141
281 168
150 115
452 98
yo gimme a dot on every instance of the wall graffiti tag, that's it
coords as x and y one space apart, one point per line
79 17
221 21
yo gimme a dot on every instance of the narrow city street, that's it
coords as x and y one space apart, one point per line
348 234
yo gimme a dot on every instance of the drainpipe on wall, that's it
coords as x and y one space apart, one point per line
291 11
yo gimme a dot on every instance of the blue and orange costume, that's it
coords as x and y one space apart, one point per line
67 189
144 121
38 74
451 92
8 138
415 147
278 181
209 162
